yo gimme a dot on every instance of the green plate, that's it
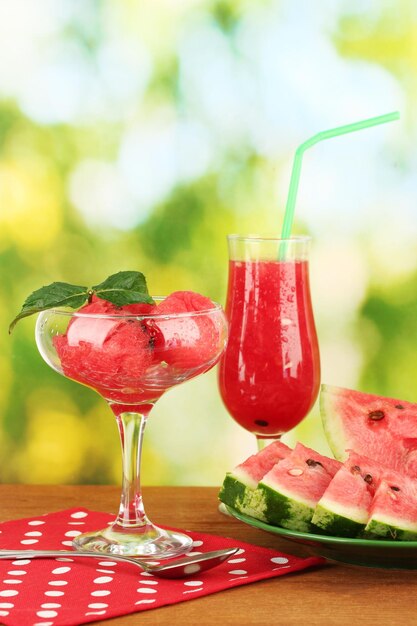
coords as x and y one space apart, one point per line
364 552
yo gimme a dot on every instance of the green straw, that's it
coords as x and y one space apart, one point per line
325 134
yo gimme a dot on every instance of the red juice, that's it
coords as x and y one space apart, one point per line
270 373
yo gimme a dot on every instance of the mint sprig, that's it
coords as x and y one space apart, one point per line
122 288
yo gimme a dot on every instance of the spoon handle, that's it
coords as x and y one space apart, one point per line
45 554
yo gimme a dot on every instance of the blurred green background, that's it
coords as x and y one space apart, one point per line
137 134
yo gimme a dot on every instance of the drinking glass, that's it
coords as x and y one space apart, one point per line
131 360
269 374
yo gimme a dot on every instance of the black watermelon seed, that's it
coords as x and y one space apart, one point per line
376 415
394 488
313 463
261 422
399 406
355 469
368 479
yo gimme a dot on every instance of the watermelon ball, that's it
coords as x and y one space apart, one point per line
186 342
104 352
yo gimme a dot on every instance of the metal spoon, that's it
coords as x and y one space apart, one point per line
180 568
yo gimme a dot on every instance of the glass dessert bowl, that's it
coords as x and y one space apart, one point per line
131 356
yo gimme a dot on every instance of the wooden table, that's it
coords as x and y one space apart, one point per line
327 596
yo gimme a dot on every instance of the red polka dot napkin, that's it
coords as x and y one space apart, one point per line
67 592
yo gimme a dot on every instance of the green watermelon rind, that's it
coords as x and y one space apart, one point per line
376 529
332 425
285 511
236 494
334 524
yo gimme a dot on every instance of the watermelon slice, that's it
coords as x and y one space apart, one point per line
239 489
393 513
383 429
343 509
292 488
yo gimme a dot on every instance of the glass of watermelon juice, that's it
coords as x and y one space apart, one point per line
131 355
269 374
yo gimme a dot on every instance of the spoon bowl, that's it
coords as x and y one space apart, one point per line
178 568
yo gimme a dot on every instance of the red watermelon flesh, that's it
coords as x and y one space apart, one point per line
383 429
349 495
109 355
369 470
186 342
351 489
304 474
393 512
256 466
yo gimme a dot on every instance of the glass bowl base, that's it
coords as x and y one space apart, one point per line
148 542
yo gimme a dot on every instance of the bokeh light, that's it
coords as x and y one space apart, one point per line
137 135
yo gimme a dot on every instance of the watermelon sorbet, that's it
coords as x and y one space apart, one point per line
132 354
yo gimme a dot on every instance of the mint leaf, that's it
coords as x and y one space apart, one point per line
50 296
119 289
124 288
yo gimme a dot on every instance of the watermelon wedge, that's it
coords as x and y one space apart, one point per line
344 508
292 488
239 489
393 513
383 429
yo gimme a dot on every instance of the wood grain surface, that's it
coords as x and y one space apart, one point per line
326 596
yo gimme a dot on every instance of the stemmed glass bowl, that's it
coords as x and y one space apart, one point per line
131 360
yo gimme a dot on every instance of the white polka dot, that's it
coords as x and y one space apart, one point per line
238 571
17 572
145 601
22 562
193 583
236 560
58 583
54 594
8 593
43 624
61 558
98 605
36 522
3 613
12 581
197 543
106 571
149 582
145 590
102 592
50 605
146 574
6 605
103 579
73 533
279 559
28 542
79 514
240 551
61 570
46 613
107 563
67 543
193 568
96 613
76 523
33 533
